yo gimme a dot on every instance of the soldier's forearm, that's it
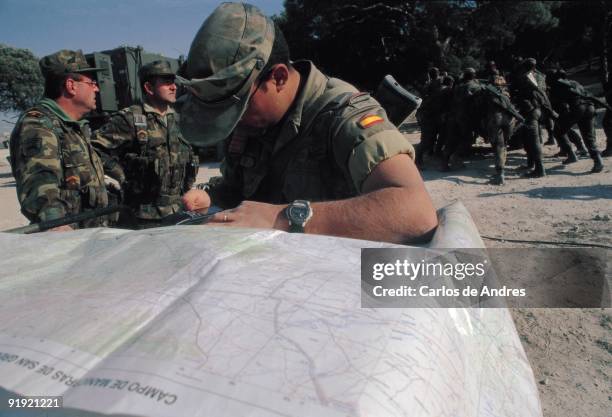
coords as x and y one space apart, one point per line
42 202
393 214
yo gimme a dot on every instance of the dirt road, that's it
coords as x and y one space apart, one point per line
570 350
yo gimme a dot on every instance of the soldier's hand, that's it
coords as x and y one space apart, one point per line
196 200
252 214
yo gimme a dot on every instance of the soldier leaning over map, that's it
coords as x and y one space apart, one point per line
297 139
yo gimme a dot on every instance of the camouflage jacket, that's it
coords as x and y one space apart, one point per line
529 95
146 153
566 95
325 147
55 167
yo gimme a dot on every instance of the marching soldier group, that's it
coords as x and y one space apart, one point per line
450 116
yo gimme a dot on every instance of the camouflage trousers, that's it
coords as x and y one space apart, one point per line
583 116
430 129
532 136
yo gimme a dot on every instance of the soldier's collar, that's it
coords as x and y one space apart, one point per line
150 109
59 112
312 85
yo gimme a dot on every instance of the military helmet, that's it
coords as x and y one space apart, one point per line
529 63
469 73
226 56
160 68
65 62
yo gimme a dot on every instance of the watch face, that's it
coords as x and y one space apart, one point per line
299 214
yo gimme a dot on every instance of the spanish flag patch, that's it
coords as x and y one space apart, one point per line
370 120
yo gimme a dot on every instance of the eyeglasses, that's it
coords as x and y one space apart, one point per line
91 83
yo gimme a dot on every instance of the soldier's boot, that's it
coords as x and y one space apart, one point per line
538 171
598 162
499 178
530 164
571 158
455 162
551 138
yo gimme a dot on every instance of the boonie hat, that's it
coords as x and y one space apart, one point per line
65 62
160 68
226 56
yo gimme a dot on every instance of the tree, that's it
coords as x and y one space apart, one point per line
21 83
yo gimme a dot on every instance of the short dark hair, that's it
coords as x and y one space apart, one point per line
54 84
279 53
143 81
152 79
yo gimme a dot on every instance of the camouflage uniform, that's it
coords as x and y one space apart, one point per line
56 170
428 115
462 119
321 152
431 117
325 146
573 109
147 154
529 92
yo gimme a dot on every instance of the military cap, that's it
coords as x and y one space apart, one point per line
159 68
469 70
65 62
448 80
226 56
529 63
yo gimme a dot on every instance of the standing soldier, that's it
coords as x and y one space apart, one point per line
55 167
427 115
462 120
575 108
435 82
142 148
430 116
530 95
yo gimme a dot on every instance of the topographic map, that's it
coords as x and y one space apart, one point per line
197 321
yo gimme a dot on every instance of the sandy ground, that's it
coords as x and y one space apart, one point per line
570 350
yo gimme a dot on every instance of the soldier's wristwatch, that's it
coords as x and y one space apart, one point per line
298 213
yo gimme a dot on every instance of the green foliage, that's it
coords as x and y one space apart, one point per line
21 83
361 40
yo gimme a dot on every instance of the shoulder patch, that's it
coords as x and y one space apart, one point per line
370 120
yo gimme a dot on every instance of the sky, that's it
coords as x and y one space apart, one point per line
161 26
